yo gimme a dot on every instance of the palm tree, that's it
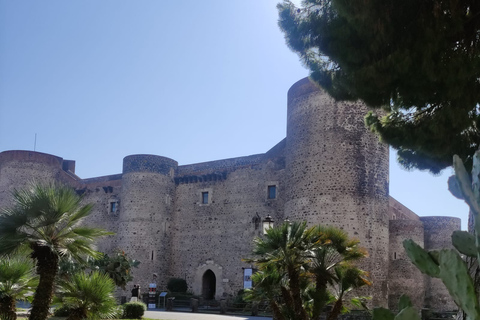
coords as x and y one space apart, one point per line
297 266
88 296
47 218
348 278
267 288
17 279
332 248
284 249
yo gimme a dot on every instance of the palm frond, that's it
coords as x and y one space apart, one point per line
92 293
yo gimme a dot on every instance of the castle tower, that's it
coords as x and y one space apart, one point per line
438 235
145 216
337 174
404 277
18 168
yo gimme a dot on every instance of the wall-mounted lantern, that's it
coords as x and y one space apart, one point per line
267 223
287 221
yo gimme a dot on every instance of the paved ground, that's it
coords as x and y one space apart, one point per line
165 315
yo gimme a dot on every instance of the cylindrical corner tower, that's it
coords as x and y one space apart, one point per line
18 168
404 277
146 210
438 235
337 174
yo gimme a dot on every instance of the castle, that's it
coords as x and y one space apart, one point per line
198 221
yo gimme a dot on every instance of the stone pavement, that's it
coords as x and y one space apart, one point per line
165 315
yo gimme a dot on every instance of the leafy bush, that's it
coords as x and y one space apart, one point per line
239 298
177 285
133 310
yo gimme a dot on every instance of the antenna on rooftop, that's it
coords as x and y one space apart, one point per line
35 143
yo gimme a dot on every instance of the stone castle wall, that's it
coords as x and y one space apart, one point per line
145 224
329 169
404 277
336 173
222 230
438 232
19 168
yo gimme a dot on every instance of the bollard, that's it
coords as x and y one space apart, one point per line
170 304
223 306
194 304
255 309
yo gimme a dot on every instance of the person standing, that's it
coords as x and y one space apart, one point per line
135 293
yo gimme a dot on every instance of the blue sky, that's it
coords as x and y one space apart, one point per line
191 80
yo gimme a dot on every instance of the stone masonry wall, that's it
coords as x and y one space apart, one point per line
404 277
337 174
102 193
438 232
19 168
145 219
397 211
217 235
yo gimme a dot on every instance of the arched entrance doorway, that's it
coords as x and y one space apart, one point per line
209 283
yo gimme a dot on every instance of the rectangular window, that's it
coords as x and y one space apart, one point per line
113 207
204 197
272 192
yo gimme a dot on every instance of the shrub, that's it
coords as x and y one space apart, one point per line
133 310
239 298
177 285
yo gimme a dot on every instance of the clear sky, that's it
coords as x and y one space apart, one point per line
191 80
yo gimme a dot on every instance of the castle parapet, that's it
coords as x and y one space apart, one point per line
30 156
20 167
149 163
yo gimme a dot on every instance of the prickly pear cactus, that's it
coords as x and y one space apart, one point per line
447 264
464 242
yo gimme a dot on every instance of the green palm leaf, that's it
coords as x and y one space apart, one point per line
89 296
47 218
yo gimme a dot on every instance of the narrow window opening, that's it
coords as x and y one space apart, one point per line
113 207
152 255
204 197
394 256
272 192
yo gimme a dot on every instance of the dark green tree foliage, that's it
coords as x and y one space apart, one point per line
177 285
418 60
117 266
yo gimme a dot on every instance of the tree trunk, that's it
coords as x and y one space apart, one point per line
77 314
7 308
47 267
277 314
294 282
337 309
321 297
